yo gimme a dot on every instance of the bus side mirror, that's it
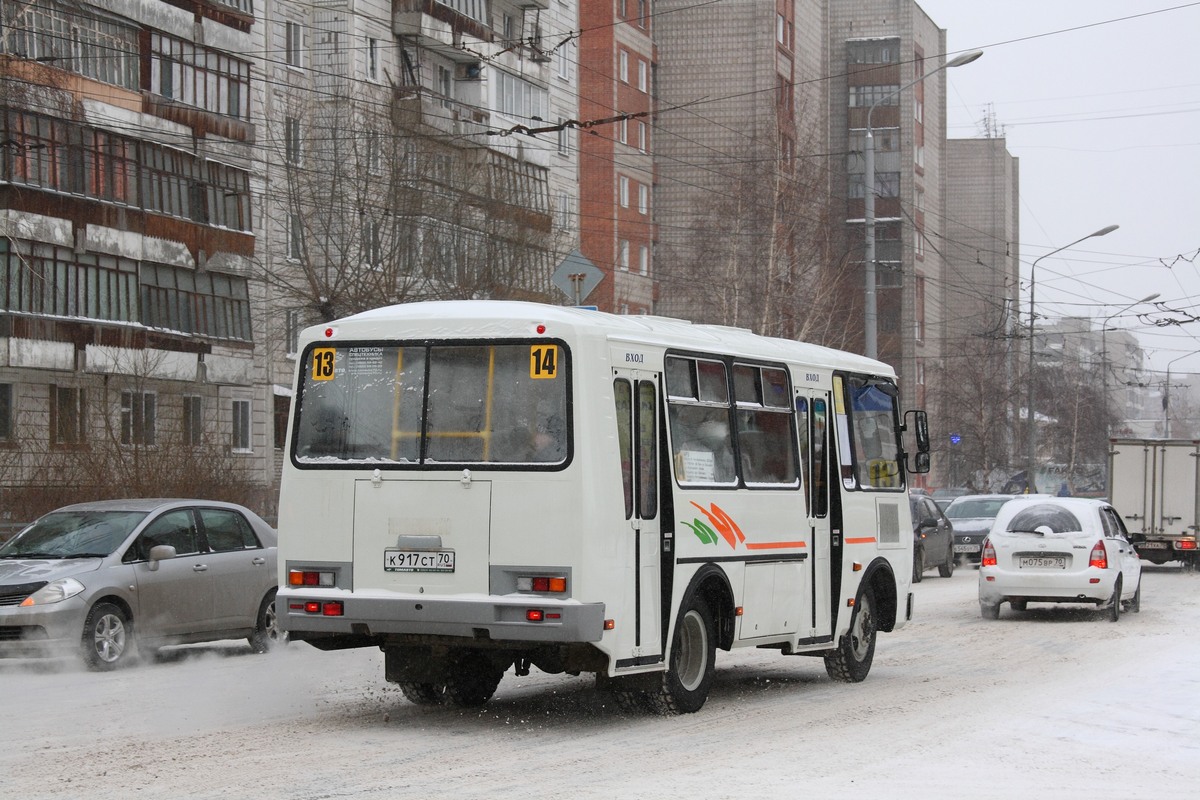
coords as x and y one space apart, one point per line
917 422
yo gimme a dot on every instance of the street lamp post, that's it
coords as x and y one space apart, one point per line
870 316
1167 395
1104 355
1030 424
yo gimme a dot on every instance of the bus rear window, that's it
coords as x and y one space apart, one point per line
425 405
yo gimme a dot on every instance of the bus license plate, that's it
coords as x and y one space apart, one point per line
418 560
1043 562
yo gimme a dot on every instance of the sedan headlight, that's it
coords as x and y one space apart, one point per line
54 592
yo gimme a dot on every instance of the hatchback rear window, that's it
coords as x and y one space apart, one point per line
1044 519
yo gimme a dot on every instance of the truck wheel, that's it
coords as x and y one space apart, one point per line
684 686
851 661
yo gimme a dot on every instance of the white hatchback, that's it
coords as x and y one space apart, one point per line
1059 550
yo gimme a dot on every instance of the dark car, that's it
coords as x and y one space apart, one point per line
933 538
93 577
972 516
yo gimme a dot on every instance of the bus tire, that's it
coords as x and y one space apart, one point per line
471 679
851 661
683 688
423 694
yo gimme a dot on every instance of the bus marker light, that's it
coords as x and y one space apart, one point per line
857 567
541 328
329 333
610 624
850 602
297 606
333 609
737 612
534 615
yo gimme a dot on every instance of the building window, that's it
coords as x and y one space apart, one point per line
867 96
623 255
138 416
643 75
6 412
475 9
291 330
564 210
623 66
919 308
643 198
623 190
563 58
293 44
519 98
240 441
193 421
199 76
69 38
291 140
68 412
211 304
623 131
644 260
295 237
373 59
641 140
372 243
564 138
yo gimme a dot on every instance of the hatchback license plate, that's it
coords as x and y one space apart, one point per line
1042 562
966 548
418 560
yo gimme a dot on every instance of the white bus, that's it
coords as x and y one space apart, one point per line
482 485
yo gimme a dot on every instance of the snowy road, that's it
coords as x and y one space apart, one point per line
1055 703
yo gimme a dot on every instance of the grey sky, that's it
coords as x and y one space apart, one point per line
1100 100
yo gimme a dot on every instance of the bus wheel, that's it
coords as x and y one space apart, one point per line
471 679
851 661
684 686
423 694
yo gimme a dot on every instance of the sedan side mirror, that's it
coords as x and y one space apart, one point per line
160 552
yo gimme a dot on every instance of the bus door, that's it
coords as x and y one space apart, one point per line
636 395
813 421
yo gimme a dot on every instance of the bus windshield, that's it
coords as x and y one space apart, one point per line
447 405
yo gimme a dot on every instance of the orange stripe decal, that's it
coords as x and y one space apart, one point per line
860 540
773 545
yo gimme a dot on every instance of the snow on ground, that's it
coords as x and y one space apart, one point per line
1055 703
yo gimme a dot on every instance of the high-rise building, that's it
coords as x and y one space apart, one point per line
617 192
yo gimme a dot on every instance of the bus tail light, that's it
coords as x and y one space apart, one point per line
542 583
988 559
309 577
1099 556
333 608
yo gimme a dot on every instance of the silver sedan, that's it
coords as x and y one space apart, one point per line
99 578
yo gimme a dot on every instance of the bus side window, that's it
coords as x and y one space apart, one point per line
623 398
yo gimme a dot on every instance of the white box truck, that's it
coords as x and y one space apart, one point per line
1155 485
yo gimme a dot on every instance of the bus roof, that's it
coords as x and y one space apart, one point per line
467 319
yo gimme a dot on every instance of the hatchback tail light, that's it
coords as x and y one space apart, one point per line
1099 556
988 559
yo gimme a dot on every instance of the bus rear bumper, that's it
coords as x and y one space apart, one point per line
526 618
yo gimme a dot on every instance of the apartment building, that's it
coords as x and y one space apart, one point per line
127 220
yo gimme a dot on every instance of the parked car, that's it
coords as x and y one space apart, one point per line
972 516
97 577
933 538
1059 550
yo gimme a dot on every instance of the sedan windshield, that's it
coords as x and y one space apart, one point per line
73 534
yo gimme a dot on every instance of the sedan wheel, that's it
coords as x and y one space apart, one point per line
107 638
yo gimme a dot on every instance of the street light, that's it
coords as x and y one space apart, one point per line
1104 354
1029 413
870 328
1167 395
